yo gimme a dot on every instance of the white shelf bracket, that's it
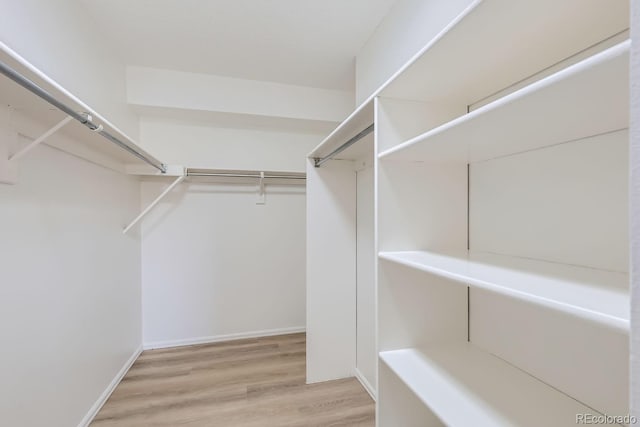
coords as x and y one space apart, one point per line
261 198
177 181
40 139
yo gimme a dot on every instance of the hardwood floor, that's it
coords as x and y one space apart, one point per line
246 383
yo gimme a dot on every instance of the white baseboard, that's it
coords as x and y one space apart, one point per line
365 383
221 338
112 386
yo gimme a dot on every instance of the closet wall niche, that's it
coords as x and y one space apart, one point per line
341 254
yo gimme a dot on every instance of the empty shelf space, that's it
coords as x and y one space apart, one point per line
465 386
585 99
464 62
595 295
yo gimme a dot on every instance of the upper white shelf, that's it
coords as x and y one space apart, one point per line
461 64
595 295
236 120
464 62
464 386
585 99
32 115
359 120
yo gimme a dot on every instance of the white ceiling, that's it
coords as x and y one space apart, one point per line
301 42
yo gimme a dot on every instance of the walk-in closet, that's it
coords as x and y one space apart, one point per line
373 213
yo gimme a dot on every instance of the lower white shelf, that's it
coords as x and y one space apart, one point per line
595 295
464 386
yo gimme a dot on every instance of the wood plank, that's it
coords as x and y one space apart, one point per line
245 383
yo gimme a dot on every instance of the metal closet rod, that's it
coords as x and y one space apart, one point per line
242 175
82 117
318 161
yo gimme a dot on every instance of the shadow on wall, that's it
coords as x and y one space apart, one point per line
173 200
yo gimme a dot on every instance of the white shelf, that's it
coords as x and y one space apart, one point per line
595 295
585 99
464 386
32 116
465 62
359 120
440 71
236 120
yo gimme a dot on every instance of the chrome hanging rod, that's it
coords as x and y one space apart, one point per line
243 175
82 117
318 161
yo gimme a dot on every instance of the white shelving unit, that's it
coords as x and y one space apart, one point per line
511 313
501 206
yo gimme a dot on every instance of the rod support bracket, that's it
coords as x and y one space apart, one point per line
88 122
33 144
157 200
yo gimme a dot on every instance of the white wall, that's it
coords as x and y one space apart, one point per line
635 209
70 305
59 38
408 26
203 146
216 265
573 194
